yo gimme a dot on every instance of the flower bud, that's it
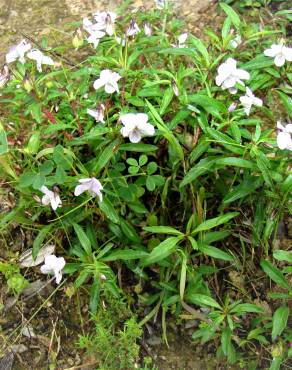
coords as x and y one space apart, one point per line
27 84
175 88
4 76
77 40
232 107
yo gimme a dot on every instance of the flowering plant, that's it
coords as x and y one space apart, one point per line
149 158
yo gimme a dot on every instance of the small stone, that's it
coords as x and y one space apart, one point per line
154 340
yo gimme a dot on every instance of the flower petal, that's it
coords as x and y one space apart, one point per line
287 52
283 140
146 129
279 60
98 83
242 74
79 189
135 136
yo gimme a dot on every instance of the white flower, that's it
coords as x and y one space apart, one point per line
228 75
147 29
95 31
284 138
105 20
136 126
109 80
235 42
280 53
17 52
121 40
40 59
181 41
92 185
54 265
97 114
160 4
248 100
133 29
50 197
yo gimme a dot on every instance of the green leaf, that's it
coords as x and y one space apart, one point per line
125 254
202 300
242 190
286 102
183 275
151 168
226 340
200 46
205 165
259 62
105 156
280 319
162 230
129 231
109 210
178 51
215 252
174 143
235 162
83 239
246 307
211 105
3 141
143 160
166 100
235 19
94 296
38 241
139 147
282 255
213 222
150 183
163 250
274 274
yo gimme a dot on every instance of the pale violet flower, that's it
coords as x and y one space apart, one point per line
95 31
50 197
133 29
109 80
232 107
92 185
228 75
160 4
280 53
284 138
105 20
54 265
248 100
17 52
135 126
147 29
40 59
97 114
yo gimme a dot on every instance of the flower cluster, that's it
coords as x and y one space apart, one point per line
17 52
92 185
103 25
229 75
